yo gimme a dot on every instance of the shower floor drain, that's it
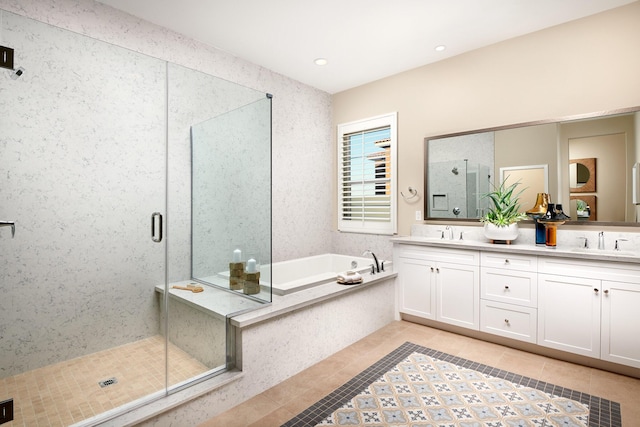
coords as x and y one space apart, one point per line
108 382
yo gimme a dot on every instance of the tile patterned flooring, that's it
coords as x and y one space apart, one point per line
68 392
279 404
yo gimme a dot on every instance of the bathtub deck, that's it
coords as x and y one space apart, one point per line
294 301
213 301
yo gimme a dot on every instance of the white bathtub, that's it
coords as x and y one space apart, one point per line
303 273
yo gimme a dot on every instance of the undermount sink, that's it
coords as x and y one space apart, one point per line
604 252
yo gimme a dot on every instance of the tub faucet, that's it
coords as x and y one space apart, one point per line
601 240
450 230
377 266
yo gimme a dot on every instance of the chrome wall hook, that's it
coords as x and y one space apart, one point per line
412 191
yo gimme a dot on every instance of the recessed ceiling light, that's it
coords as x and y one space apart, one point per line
321 61
440 48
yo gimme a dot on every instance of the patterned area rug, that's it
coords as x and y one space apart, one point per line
419 387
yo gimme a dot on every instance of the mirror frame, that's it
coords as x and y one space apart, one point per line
586 116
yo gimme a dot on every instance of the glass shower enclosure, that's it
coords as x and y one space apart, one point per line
101 179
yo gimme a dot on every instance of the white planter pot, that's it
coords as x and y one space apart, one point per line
506 233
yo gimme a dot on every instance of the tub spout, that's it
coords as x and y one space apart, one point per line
377 266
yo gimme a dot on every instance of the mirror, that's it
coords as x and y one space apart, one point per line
559 155
582 175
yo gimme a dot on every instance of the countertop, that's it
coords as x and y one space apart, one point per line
594 254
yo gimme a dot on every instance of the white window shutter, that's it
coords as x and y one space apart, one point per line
367 175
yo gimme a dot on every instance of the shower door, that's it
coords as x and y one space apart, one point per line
83 159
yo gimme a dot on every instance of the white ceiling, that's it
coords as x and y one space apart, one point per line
363 40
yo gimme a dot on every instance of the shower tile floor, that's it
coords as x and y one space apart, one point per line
68 392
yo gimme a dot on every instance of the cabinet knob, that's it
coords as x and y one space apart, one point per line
432 269
606 291
596 290
506 321
437 270
506 287
506 261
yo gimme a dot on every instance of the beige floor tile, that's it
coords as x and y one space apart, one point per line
68 392
274 419
567 375
363 353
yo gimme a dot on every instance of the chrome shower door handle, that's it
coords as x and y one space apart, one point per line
11 224
156 227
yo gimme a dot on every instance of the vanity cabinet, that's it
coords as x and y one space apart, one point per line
591 309
586 307
440 285
509 295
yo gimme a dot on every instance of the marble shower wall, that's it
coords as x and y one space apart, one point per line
302 131
82 171
47 292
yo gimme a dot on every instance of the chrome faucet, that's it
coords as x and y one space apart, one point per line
377 265
617 245
450 230
601 240
586 242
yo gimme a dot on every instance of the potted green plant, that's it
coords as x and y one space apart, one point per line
501 220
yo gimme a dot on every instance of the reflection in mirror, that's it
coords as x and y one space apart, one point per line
458 178
585 208
610 139
533 179
578 175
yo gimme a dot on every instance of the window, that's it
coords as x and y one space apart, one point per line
367 175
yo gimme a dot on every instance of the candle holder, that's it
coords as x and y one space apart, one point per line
551 220
236 270
251 284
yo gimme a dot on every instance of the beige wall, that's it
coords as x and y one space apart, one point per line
584 66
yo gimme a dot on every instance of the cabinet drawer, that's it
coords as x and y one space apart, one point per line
509 261
513 287
465 257
508 320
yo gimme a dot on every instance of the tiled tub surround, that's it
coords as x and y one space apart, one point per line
569 303
279 340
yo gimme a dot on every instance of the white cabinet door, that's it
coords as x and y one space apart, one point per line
569 314
621 323
417 293
458 295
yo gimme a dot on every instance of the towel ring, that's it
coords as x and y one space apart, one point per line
412 191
